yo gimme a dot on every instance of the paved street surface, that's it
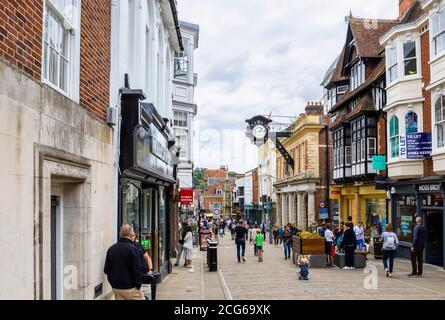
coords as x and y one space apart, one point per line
275 279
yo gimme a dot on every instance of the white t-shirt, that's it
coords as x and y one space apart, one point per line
359 233
329 235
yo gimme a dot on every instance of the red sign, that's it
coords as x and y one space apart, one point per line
186 196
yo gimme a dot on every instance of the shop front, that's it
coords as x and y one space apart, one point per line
363 203
422 198
147 177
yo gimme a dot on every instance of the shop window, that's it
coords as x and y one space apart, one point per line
435 200
375 213
131 206
439 122
411 122
405 217
394 136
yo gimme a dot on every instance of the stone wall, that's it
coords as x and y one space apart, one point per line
48 140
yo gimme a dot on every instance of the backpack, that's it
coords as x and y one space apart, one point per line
391 242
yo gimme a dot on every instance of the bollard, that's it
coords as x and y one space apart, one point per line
212 256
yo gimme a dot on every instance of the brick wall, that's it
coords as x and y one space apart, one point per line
95 56
426 75
21 27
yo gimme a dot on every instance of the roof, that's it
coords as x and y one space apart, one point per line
414 13
337 75
367 32
364 104
215 173
330 71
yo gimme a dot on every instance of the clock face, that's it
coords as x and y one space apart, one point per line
259 132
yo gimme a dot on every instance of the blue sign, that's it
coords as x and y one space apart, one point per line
419 145
324 214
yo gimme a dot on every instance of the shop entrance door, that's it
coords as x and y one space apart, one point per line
434 242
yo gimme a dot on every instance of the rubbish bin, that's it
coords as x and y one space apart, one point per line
212 256
378 246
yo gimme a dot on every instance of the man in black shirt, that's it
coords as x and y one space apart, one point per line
123 267
240 240
417 248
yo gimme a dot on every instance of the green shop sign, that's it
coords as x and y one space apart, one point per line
379 163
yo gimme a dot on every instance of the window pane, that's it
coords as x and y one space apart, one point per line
435 27
411 122
410 67
440 43
438 110
440 135
409 50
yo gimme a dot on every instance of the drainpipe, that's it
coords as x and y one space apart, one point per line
328 180
177 27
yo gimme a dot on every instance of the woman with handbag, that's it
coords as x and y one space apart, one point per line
287 242
188 246
329 244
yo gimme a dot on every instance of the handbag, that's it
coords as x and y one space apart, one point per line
333 250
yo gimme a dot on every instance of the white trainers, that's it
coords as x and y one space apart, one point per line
346 268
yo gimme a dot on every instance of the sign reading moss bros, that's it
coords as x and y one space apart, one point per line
430 187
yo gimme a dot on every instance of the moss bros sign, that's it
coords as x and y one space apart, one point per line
431 187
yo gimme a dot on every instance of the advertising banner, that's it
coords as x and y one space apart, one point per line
186 196
419 145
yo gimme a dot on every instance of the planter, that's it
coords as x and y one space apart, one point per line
308 246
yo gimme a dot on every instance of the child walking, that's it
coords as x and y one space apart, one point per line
303 263
259 241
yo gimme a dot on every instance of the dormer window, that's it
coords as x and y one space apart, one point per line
357 75
219 192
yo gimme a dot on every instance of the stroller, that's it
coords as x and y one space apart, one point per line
303 264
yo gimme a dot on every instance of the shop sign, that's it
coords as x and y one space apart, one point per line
381 183
419 145
379 163
432 187
186 196
403 147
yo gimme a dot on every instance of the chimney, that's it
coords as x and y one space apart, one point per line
314 109
404 6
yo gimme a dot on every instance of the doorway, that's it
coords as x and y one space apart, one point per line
434 242
56 247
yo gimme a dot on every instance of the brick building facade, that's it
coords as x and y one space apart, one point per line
57 149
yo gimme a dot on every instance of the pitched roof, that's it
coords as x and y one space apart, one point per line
215 173
367 33
414 13
364 104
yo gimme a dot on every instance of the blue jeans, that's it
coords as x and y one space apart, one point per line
255 250
240 243
287 247
360 244
388 254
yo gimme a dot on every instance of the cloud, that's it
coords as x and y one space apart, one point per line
262 56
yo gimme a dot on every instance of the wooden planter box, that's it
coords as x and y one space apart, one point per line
308 246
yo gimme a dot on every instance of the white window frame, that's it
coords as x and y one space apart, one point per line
392 64
438 123
391 138
357 76
412 58
439 33
374 148
72 26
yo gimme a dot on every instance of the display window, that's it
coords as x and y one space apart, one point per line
405 217
131 206
432 200
375 216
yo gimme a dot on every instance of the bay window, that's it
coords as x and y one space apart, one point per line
410 58
364 145
180 124
392 64
439 121
394 136
438 32
58 43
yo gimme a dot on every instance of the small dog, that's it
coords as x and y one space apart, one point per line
303 264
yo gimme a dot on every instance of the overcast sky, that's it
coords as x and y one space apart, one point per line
262 56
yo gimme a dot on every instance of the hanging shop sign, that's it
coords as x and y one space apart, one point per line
379 163
381 183
186 196
324 214
419 145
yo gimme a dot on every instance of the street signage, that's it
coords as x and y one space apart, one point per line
381 183
419 145
324 214
379 163
216 214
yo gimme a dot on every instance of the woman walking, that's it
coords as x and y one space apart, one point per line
275 235
287 242
390 244
329 245
349 243
188 247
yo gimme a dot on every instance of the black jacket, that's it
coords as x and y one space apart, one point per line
240 233
123 266
349 239
419 237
